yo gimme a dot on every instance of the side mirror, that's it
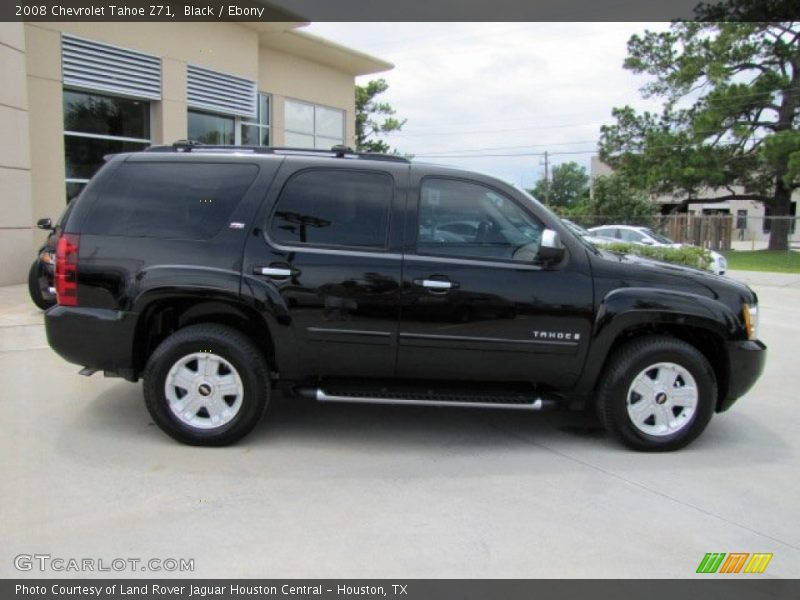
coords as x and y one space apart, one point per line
646 241
550 250
45 223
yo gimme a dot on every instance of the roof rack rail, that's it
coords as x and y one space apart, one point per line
338 151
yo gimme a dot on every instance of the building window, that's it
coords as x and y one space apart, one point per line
207 128
313 126
96 125
255 132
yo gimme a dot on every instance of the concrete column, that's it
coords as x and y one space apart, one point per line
277 129
45 94
16 231
169 116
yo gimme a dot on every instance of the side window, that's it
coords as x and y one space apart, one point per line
462 219
609 232
172 200
629 235
334 207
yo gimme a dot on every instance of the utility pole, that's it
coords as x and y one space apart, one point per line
546 179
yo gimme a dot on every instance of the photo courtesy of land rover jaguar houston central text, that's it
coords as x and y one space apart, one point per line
217 273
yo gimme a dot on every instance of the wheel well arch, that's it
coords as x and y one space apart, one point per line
707 342
161 318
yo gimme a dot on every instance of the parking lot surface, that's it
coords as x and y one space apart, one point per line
396 492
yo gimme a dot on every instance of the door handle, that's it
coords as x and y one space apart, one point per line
438 285
276 271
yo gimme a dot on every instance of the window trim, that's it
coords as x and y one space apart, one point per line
414 244
244 122
332 248
313 133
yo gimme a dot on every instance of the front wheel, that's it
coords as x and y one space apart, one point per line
206 385
657 394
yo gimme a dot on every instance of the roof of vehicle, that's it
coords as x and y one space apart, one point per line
334 152
636 227
189 148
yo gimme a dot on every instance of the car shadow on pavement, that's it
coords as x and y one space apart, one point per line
118 416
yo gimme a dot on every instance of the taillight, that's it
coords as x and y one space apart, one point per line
67 269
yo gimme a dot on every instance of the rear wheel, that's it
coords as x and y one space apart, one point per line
206 385
657 394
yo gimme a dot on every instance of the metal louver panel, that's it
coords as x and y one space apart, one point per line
220 92
91 65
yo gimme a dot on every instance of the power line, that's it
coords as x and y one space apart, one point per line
571 152
401 134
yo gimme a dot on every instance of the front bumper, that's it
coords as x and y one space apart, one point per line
745 365
100 339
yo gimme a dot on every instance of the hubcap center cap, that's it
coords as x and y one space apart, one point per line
204 390
661 398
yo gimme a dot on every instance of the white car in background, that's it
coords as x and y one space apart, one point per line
596 240
648 237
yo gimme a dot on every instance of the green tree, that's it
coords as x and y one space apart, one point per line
616 199
568 187
731 94
374 118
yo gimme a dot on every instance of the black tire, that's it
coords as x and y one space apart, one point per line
231 345
624 366
38 295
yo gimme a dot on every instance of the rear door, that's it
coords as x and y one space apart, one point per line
476 304
330 245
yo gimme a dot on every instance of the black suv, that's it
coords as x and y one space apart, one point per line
216 273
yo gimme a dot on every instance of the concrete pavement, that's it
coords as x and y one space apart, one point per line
361 491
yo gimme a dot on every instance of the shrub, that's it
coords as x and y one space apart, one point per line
689 256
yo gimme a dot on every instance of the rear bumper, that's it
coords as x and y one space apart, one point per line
745 365
100 339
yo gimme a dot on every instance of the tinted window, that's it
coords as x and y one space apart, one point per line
457 218
169 200
334 208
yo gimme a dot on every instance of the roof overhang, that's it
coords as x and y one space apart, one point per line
317 49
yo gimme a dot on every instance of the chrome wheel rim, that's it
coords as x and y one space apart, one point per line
204 390
662 399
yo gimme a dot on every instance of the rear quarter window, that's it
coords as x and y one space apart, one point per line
169 199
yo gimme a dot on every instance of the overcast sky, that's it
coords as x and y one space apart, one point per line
500 88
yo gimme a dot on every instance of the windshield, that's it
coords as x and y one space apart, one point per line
661 239
575 228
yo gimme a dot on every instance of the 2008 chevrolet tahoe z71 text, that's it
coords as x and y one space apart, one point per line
215 273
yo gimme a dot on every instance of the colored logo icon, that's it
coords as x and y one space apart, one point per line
734 562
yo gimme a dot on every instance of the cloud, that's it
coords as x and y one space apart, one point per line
525 87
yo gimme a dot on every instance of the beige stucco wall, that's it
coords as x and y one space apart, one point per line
286 76
15 174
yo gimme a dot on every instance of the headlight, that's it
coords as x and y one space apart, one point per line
750 314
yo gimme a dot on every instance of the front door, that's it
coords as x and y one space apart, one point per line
476 305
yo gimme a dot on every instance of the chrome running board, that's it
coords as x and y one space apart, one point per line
534 404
